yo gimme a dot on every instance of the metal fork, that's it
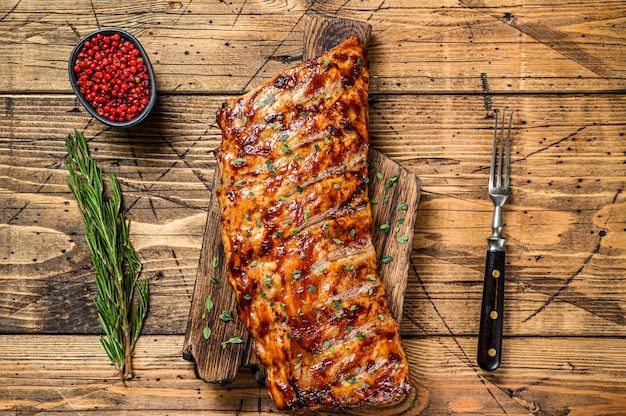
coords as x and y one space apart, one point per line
491 313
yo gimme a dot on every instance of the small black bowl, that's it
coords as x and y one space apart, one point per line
152 84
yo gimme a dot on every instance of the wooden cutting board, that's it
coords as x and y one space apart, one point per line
394 193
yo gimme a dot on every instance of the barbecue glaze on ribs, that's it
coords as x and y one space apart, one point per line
297 234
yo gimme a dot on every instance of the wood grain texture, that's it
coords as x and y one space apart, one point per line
71 374
227 47
438 71
565 220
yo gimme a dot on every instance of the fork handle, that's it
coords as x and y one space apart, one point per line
491 313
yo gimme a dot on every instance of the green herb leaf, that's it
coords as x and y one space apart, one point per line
208 304
268 100
232 340
244 120
206 332
386 259
402 207
402 239
226 316
215 262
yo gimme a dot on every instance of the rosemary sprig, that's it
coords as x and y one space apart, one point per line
122 298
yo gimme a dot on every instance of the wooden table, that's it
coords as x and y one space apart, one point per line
439 69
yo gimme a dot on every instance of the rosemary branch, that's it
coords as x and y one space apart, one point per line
122 298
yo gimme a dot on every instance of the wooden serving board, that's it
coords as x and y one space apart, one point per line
394 193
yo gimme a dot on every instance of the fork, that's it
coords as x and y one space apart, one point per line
492 308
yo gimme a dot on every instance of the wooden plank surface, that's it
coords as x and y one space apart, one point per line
438 71
565 219
432 46
70 374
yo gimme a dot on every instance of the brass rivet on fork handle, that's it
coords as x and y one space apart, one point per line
492 308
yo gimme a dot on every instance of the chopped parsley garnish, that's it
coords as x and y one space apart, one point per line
215 262
239 161
337 241
386 259
349 268
384 228
336 186
244 120
268 100
226 316
312 289
402 207
232 340
371 277
402 239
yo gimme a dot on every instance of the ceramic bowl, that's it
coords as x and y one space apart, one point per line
152 84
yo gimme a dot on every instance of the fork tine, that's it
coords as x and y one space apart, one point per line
494 153
501 152
508 151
